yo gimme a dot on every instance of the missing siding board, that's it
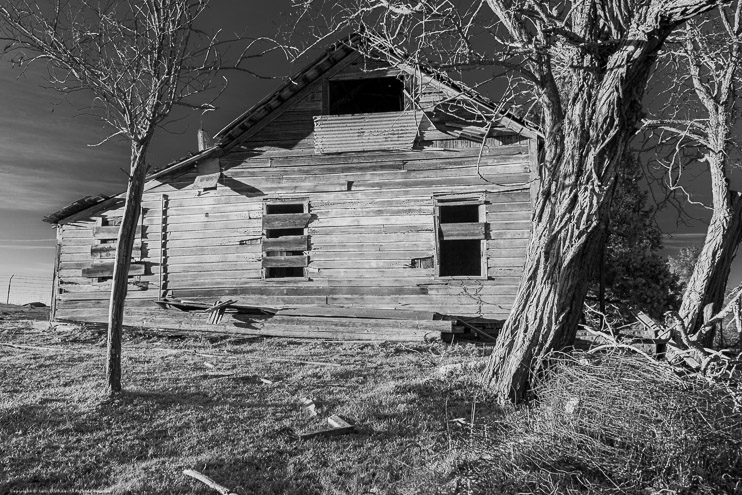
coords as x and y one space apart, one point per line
209 172
427 262
285 243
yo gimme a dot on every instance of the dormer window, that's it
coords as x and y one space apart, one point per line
367 95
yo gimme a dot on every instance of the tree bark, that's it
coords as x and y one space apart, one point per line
708 283
124 247
583 152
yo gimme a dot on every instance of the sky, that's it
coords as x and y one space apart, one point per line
47 157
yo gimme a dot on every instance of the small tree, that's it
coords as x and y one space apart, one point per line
634 274
136 59
683 264
705 63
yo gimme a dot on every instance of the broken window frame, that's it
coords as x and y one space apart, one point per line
269 237
395 74
479 234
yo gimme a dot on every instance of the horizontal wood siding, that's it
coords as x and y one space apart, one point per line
370 220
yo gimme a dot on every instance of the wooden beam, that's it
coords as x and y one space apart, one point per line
287 243
286 221
460 231
285 261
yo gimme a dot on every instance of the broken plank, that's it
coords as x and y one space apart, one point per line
342 428
208 482
286 221
106 270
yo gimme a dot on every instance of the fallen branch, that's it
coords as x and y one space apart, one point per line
208 482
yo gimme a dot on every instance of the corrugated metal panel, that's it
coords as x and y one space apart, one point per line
366 131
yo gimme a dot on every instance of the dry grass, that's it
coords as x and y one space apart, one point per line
608 424
614 423
59 433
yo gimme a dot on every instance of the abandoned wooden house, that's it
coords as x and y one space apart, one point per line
367 198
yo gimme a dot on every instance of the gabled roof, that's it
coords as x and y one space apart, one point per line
257 116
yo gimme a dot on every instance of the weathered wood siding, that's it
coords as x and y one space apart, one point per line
372 214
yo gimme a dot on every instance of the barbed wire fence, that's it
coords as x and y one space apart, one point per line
22 289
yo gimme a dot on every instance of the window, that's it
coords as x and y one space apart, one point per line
460 234
369 95
285 243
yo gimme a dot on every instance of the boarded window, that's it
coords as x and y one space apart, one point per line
461 235
285 240
368 95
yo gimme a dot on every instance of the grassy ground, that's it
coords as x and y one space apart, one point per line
60 434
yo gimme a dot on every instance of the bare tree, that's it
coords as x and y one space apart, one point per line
136 59
586 64
700 113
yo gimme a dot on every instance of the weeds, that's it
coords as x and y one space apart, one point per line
614 423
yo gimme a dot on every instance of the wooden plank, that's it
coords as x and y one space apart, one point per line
108 251
517 225
356 312
286 243
106 270
361 263
520 206
111 232
377 246
285 261
460 231
392 272
369 255
362 221
173 261
232 288
286 221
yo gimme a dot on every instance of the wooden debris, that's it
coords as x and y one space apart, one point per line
339 427
208 482
476 330
356 312
266 381
309 406
216 312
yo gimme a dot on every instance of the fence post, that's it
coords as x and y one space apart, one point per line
10 281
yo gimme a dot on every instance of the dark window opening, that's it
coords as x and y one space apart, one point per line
460 258
285 272
292 214
459 214
372 95
280 208
276 233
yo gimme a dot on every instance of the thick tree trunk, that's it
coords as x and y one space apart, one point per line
124 246
582 151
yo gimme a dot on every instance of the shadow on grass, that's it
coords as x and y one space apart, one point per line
263 473
129 401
